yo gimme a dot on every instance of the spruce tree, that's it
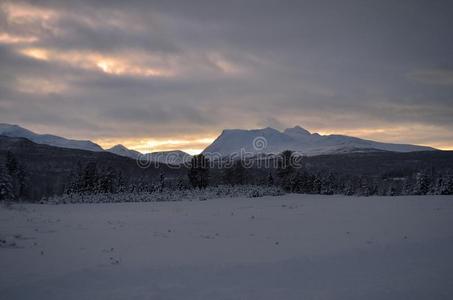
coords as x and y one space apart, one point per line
16 174
199 171
423 184
90 178
286 170
270 179
235 173
6 186
161 182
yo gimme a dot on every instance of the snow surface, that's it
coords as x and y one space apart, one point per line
287 247
231 141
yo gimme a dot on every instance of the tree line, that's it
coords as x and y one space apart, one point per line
292 177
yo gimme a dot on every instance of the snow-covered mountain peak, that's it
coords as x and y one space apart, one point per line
123 151
14 130
118 147
297 130
298 139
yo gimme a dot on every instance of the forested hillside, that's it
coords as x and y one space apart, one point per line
31 171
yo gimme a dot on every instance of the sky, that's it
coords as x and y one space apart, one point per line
163 75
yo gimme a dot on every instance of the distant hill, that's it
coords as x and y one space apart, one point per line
49 168
175 157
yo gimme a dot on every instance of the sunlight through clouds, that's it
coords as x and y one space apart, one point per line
7 38
20 12
114 65
35 53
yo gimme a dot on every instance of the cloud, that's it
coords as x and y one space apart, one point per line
6 38
138 64
166 70
433 76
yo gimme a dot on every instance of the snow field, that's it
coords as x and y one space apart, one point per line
286 247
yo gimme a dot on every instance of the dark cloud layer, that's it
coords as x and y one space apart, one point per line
187 69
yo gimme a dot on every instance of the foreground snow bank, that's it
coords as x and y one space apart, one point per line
288 247
221 191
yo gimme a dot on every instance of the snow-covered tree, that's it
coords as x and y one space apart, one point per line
89 178
16 175
6 186
270 179
328 184
423 183
161 182
445 185
106 181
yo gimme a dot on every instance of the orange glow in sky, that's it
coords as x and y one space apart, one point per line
193 145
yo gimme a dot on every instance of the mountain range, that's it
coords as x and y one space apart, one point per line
267 140
169 157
